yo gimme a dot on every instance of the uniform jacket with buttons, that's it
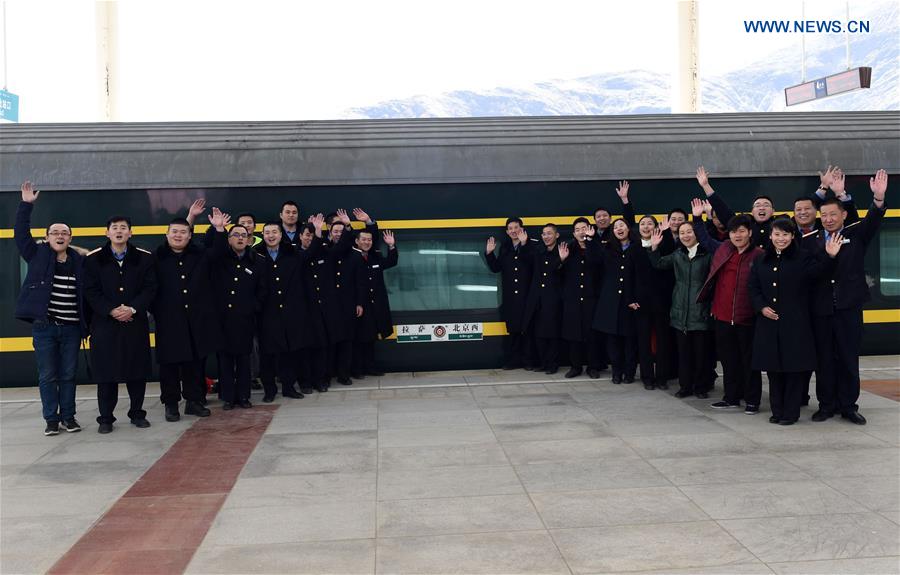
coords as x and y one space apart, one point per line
581 285
183 308
514 264
782 282
320 276
120 351
845 287
376 319
618 286
543 310
239 291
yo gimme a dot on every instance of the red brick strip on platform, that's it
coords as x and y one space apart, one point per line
160 522
889 388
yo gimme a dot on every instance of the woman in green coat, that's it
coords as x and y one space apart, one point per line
689 317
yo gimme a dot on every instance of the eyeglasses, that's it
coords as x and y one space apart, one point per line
762 205
62 234
239 235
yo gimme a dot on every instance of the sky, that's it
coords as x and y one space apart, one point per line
283 60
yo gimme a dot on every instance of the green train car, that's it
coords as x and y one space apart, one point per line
444 186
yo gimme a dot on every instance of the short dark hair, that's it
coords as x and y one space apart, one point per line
581 220
833 202
677 211
785 225
740 221
308 227
550 225
288 203
514 220
764 197
805 199
329 219
246 215
601 209
181 222
231 229
116 219
271 223
365 231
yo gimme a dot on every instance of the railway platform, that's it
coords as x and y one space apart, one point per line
456 472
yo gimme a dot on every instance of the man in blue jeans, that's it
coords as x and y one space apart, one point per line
51 300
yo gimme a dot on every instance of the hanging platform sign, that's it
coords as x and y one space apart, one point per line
848 81
434 332
9 106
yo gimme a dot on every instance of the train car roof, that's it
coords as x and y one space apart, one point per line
444 150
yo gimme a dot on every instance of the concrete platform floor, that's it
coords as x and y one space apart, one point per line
460 472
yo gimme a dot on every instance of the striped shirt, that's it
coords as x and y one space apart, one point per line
63 305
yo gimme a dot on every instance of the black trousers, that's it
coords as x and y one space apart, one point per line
363 357
312 367
548 350
339 359
734 344
587 352
693 361
181 380
622 352
282 364
655 366
838 338
519 351
234 377
785 394
108 397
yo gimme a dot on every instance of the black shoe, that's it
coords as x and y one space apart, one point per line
245 404
682 393
140 422
227 406
509 366
344 381
52 428
662 385
725 405
648 385
306 390
773 419
105 428
255 384
195 408
203 401
551 370
574 372
529 368
292 394
702 395
268 398
628 379
354 375
787 421
854 417
616 378
172 412
593 373
320 388
375 373
71 425
751 409
822 415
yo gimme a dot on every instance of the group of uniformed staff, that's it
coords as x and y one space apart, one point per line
758 292
314 302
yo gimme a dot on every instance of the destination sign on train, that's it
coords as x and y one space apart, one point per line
829 86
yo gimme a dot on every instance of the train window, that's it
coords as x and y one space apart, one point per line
889 252
441 274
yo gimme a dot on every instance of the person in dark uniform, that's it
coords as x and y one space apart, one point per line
314 345
838 301
285 312
688 316
248 220
185 320
652 322
373 316
783 343
514 263
339 320
543 309
347 281
581 284
239 289
119 286
617 302
290 216
762 212
732 311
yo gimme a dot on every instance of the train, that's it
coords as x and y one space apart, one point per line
443 186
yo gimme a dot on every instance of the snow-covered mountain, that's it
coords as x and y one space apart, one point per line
756 88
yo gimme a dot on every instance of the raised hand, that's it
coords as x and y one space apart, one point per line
563 250
226 220
590 232
523 236
29 194
770 313
665 224
656 237
838 183
342 215
635 306
878 185
388 236
833 245
702 177
491 245
622 191
361 216
318 221
359 311
697 207
217 219
197 208
827 178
